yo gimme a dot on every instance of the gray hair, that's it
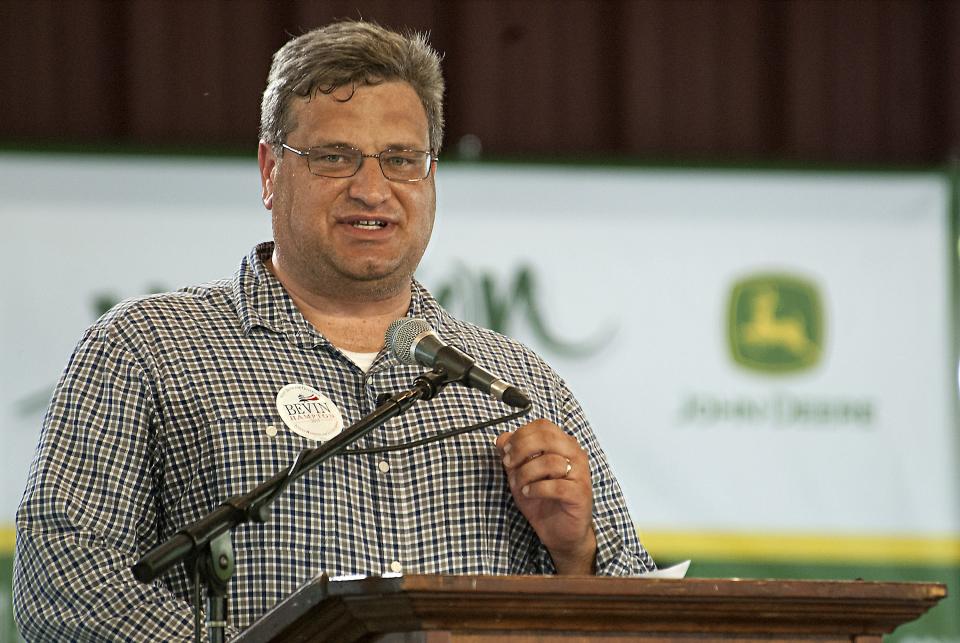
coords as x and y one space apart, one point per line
350 53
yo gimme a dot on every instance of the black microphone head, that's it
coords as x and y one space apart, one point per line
401 335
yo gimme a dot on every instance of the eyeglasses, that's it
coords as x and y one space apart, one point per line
342 162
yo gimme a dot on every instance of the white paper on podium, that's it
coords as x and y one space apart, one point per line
675 572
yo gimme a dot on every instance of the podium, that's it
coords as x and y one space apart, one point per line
437 609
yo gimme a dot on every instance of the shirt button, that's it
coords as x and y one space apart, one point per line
272 431
396 567
384 466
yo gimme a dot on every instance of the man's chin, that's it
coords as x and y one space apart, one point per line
371 274
379 279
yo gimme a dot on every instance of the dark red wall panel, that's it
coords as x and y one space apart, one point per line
830 81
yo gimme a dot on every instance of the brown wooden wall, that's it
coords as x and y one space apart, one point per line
834 81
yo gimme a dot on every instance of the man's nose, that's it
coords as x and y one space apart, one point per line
369 185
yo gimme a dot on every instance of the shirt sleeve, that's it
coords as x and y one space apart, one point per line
619 552
90 510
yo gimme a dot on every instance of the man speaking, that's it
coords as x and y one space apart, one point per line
174 402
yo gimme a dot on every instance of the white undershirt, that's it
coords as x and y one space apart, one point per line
363 360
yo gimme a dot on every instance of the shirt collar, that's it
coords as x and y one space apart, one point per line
262 300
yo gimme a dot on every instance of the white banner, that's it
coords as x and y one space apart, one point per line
757 351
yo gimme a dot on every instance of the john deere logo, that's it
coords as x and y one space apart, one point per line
775 324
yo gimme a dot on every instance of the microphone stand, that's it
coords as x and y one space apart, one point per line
206 545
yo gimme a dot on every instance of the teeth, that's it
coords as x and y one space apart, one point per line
369 225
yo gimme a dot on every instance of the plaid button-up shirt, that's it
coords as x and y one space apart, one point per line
168 406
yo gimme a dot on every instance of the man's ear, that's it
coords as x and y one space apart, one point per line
268 165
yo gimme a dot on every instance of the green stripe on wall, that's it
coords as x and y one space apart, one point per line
922 550
8 538
794 547
8 630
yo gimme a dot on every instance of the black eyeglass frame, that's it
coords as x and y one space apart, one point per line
306 154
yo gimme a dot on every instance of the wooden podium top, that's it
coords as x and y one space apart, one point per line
557 607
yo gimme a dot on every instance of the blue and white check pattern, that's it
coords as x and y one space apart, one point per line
168 406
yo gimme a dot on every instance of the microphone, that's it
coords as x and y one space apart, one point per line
412 341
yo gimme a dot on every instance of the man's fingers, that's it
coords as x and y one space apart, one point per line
550 466
537 437
560 490
502 441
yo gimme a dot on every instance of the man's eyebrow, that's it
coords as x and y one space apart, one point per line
390 146
406 146
333 144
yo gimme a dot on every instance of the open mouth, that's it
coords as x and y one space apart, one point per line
369 224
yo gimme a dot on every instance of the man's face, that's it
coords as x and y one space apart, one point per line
322 227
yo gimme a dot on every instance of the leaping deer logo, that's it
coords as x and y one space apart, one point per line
768 328
775 323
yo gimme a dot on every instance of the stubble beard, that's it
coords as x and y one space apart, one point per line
372 283
328 273
368 279
358 280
